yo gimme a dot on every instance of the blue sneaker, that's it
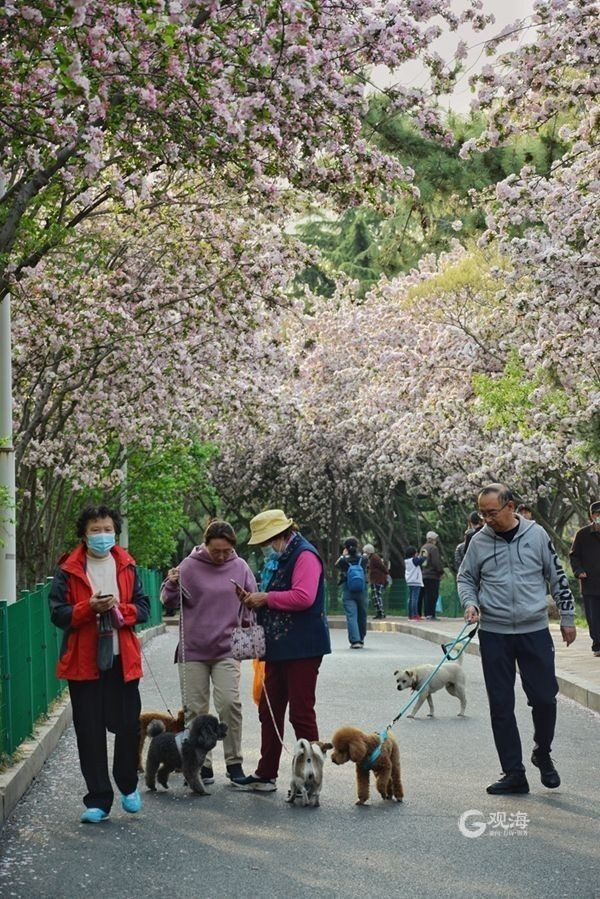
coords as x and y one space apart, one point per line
132 803
93 816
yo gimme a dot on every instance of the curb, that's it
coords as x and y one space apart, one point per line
569 686
15 782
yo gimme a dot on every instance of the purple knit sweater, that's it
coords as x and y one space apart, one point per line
210 603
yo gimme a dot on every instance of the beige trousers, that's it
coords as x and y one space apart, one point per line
225 677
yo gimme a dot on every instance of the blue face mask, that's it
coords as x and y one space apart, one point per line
101 543
270 554
277 553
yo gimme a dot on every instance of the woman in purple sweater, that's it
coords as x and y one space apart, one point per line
210 612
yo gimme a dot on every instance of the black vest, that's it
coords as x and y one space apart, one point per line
295 635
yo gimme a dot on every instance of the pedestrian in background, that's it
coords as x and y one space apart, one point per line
502 584
377 573
474 524
433 571
585 562
96 598
352 566
414 580
525 511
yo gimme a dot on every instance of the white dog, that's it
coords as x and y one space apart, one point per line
307 773
450 675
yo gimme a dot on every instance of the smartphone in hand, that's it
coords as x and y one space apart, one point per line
238 586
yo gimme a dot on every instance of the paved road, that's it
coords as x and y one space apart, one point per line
232 844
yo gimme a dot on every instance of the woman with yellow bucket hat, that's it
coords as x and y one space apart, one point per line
292 612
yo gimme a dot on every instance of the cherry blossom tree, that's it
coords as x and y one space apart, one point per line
96 97
140 334
422 388
475 367
153 157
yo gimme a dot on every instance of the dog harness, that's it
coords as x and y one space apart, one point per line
368 763
180 738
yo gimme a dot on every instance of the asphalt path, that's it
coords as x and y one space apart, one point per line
232 844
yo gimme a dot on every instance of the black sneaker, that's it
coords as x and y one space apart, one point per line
253 784
235 772
548 773
509 783
207 775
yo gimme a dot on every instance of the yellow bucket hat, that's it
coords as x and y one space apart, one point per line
267 525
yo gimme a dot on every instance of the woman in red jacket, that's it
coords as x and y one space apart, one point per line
96 598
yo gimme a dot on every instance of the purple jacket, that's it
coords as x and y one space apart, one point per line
210 603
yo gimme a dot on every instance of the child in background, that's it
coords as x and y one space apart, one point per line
414 581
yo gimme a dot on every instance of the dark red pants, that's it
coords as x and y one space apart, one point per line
293 682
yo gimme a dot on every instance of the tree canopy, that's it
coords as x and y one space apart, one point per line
238 270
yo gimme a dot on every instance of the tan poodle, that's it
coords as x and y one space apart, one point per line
352 745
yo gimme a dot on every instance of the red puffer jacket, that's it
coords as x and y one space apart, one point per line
70 610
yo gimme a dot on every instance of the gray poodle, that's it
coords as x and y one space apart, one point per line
183 752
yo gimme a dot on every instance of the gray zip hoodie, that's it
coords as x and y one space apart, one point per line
507 581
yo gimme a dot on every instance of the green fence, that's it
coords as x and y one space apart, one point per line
395 599
29 649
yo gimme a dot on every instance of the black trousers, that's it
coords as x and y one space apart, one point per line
431 589
534 653
592 616
100 705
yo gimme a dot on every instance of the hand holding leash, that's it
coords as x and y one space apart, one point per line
568 634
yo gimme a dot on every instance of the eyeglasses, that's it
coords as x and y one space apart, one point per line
493 513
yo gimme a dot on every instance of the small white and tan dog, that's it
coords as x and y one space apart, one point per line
307 773
450 675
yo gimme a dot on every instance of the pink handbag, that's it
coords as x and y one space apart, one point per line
248 642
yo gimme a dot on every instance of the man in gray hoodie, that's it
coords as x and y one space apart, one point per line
502 583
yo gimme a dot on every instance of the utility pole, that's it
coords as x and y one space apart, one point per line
8 560
124 538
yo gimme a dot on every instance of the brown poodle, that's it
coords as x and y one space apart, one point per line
172 726
352 745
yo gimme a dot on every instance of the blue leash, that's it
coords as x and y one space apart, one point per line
452 651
